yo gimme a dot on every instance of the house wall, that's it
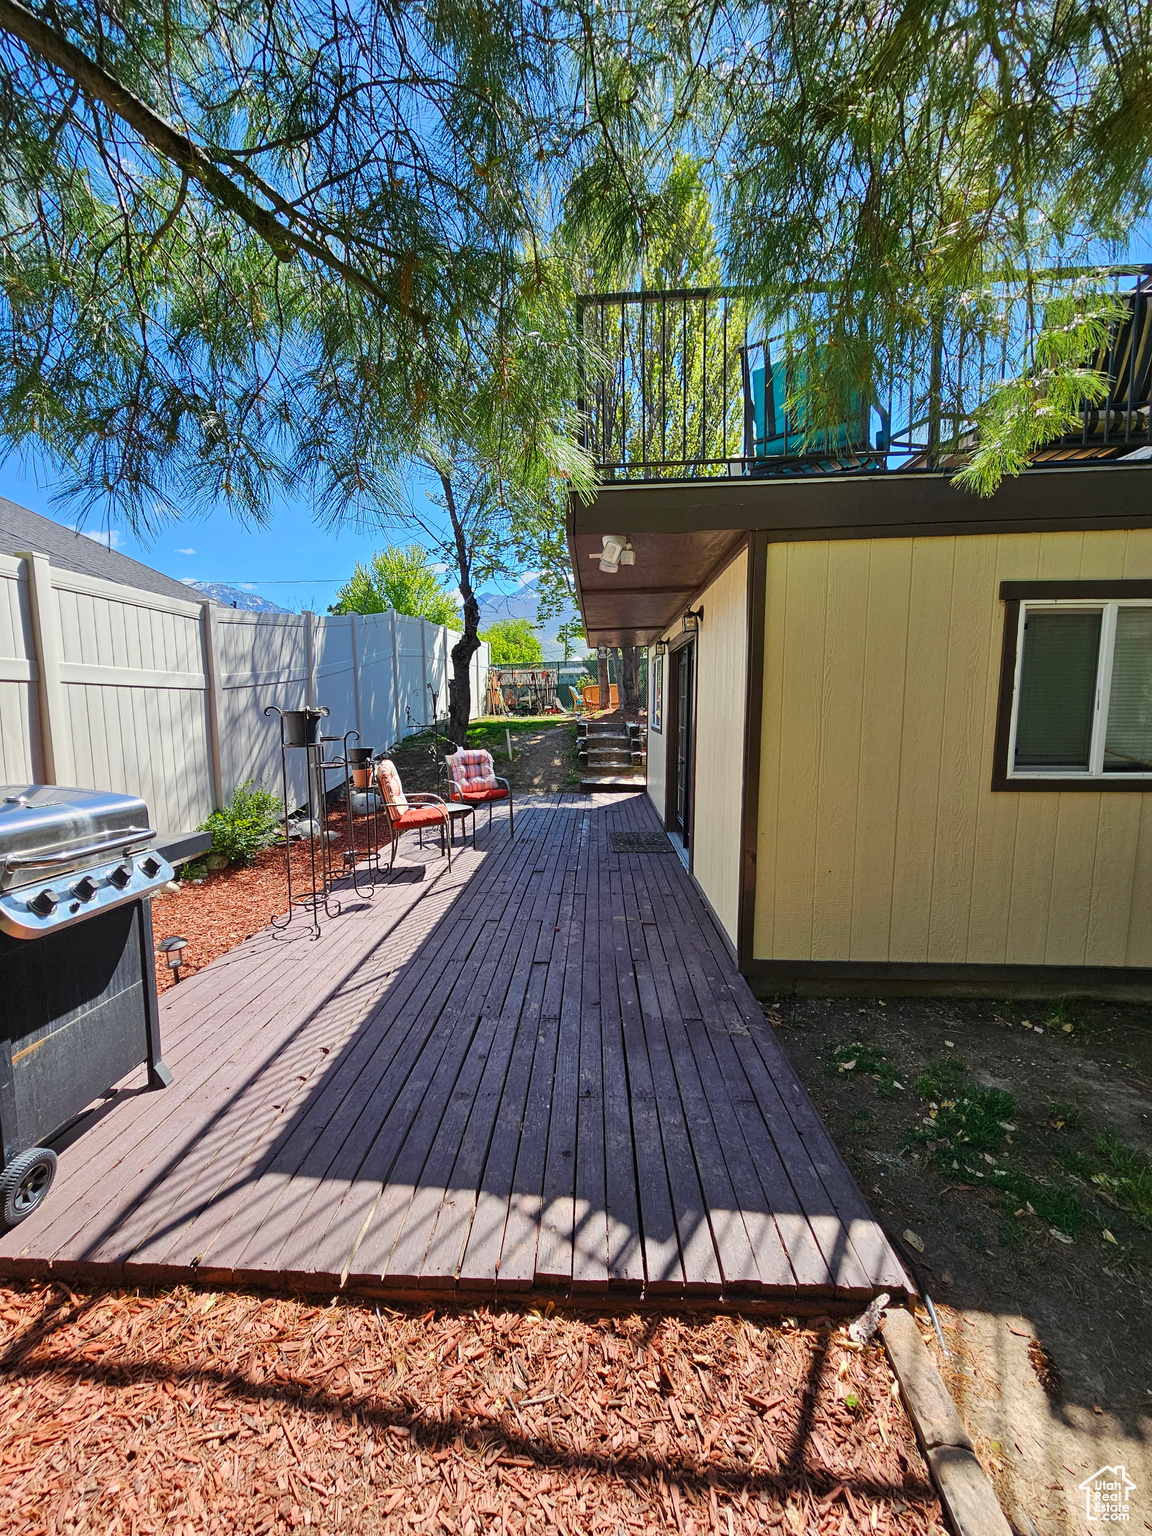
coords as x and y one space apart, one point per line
721 687
879 836
721 684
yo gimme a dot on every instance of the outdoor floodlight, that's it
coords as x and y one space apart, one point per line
617 551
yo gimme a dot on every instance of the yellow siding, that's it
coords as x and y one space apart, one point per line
721 682
880 838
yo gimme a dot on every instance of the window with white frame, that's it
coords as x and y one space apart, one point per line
1082 702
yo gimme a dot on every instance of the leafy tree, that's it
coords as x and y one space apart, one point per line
571 636
891 186
401 579
243 245
513 643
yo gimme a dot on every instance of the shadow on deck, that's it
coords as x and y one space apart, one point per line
538 1072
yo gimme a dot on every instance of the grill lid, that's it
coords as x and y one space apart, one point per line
46 819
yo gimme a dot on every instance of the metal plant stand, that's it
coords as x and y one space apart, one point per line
351 853
300 730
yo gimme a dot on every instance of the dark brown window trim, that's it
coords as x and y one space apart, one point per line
1106 591
753 721
1013 593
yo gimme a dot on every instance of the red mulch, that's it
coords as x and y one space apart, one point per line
190 1412
233 904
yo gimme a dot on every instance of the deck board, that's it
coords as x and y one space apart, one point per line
537 1070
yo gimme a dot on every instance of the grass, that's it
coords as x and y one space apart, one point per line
1062 1115
858 1059
1055 1205
1065 1017
489 734
1126 1176
964 1125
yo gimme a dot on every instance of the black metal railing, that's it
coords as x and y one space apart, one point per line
691 383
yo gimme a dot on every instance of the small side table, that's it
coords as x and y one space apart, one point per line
456 813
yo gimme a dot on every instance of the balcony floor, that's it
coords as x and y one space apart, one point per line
540 1072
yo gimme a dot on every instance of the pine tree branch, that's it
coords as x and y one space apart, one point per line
192 160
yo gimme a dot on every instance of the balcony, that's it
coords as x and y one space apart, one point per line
693 384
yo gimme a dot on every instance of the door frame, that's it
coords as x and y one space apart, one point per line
672 727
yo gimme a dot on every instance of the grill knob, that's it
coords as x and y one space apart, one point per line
85 888
43 904
120 876
150 866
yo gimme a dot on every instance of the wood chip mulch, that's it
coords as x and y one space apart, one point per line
230 905
185 1412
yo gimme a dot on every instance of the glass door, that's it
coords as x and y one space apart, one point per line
685 663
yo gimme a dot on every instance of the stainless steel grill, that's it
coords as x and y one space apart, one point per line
77 984
67 854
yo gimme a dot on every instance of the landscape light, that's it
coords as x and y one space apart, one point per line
174 948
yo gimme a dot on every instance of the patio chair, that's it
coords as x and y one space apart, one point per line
411 812
474 781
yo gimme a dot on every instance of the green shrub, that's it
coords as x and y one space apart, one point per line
247 823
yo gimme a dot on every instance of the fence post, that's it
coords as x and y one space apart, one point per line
309 659
54 743
424 663
395 677
356 677
215 701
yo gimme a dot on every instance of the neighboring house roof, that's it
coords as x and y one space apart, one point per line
21 529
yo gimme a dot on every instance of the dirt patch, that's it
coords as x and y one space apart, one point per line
234 1413
543 760
1014 1142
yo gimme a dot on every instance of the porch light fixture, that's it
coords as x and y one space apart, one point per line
173 949
692 620
661 647
617 551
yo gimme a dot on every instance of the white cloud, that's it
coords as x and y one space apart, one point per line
439 568
527 576
185 551
111 538
247 586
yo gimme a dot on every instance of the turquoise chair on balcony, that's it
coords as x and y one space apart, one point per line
778 436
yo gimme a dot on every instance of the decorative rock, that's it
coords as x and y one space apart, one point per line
216 861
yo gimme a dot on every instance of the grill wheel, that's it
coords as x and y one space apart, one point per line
24 1183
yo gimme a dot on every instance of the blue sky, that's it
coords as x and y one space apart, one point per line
292 561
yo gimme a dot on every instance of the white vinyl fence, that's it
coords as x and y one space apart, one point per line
110 687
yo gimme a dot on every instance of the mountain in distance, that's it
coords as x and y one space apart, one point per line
233 597
521 604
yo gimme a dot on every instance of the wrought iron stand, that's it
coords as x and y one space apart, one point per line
300 729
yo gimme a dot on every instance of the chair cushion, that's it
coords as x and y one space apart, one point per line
484 794
393 789
472 771
418 816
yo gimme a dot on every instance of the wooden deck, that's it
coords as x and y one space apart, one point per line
540 1072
